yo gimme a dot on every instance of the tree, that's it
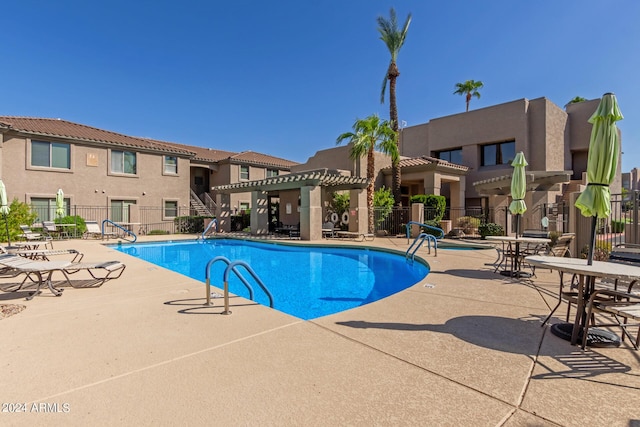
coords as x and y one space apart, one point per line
577 99
371 134
393 37
470 89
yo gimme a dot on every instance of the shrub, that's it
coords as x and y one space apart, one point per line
19 214
157 232
81 226
617 226
468 223
432 223
490 229
190 224
383 200
435 205
600 253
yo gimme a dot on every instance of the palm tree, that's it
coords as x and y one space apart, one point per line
368 135
470 89
393 37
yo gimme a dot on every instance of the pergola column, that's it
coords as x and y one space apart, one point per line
358 211
457 191
259 213
223 211
311 213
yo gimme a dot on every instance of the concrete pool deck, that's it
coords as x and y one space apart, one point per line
462 347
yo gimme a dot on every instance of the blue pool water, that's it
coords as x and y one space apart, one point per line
305 281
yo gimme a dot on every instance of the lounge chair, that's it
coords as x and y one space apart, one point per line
94 231
43 270
42 254
360 237
30 236
328 229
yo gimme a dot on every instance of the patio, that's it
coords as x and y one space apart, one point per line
463 347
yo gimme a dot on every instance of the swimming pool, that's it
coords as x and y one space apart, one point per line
306 281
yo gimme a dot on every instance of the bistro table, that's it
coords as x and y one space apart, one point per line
587 275
511 252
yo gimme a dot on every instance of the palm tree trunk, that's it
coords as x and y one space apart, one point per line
393 116
370 188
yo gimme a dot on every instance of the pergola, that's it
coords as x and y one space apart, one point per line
312 188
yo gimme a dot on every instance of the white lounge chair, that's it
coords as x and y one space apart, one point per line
94 231
43 270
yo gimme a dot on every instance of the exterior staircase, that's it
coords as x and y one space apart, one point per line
198 206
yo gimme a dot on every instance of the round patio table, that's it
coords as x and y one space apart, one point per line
513 254
587 275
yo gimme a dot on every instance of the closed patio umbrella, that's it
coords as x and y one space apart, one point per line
59 203
4 209
604 150
518 189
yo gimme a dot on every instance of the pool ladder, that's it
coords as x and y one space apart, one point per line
419 241
422 237
211 224
128 234
231 267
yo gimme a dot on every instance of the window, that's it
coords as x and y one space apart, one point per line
123 162
50 155
272 172
452 156
243 207
498 154
170 165
170 208
120 210
45 208
244 172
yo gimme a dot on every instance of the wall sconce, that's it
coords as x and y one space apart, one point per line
144 193
96 190
104 191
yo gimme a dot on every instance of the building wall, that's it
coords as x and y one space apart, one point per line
89 182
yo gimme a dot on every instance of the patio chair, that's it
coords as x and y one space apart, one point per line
94 231
44 270
622 308
29 236
49 227
328 229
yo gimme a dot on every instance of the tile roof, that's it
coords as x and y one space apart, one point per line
427 160
64 129
59 128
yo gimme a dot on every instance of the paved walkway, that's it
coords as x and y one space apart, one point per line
462 348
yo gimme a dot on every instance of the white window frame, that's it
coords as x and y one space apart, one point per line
170 166
241 172
164 208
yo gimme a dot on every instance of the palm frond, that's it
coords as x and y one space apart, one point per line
384 88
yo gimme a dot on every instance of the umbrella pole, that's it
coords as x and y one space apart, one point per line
592 240
8 236
517 225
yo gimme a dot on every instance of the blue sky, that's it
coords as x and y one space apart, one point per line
287 77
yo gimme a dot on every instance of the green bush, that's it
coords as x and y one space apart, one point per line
157 232
431 223
436 205
81 226
19 214
490 229
617 226
383 200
